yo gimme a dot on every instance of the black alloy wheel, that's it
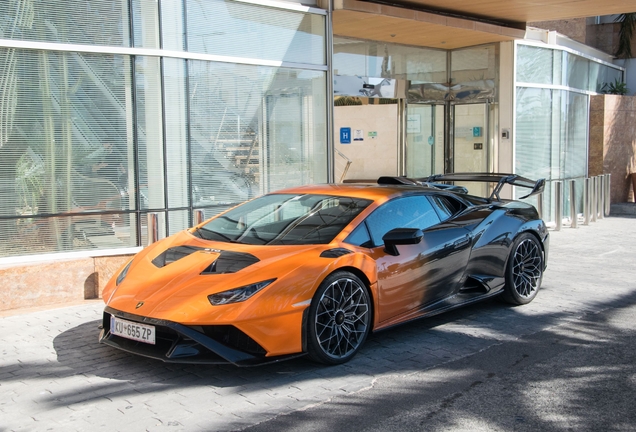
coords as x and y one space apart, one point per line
525 270
339 319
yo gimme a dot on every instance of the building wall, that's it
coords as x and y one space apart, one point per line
613 142
372 156
603 37
54 282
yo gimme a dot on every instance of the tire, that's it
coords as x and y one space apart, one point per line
524 270
339 319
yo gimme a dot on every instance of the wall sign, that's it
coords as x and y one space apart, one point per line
358 135
345 135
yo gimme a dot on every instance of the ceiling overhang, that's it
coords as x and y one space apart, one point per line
371 21
451 24
520 11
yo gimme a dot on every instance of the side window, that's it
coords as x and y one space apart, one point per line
360 236
446 207
408 212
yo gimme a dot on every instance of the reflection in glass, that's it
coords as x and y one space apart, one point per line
88 22
236 142
534 64
64 143
373 59
237 29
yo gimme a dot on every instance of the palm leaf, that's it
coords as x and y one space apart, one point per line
625 33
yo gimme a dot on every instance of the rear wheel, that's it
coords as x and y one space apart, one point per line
524 271
339 319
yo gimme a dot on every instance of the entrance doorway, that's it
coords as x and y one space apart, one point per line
424 154
471 149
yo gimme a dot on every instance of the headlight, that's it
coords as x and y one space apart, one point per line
238 294
123 274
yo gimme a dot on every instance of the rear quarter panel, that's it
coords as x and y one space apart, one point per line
494 229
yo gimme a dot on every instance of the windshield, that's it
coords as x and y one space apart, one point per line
284 219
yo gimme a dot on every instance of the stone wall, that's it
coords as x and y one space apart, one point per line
605 37
55 282
613 142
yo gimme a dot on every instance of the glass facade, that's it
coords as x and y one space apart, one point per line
90 142
553 87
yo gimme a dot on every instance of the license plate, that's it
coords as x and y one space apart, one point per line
132 330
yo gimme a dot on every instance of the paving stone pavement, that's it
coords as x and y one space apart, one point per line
55 376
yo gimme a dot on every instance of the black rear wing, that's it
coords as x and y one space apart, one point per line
501 180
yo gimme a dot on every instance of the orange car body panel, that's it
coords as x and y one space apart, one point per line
273 317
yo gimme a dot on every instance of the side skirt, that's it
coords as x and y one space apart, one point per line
447 304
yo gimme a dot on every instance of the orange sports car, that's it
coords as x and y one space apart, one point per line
313 269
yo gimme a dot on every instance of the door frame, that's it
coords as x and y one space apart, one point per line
449 126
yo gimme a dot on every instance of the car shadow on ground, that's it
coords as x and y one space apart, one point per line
413 347
570 377
418 344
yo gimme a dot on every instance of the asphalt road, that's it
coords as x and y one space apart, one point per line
563 362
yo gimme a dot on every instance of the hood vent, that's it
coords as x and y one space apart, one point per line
230 262
174 254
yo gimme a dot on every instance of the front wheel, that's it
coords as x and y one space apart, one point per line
524 271
339 319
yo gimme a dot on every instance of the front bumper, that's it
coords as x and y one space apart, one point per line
177 343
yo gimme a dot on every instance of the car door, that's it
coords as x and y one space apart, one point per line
422 273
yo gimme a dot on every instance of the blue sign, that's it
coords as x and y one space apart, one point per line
345 135
477 131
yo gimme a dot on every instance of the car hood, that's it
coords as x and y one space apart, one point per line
179 272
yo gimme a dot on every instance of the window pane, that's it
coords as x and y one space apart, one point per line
146 23
576 138
64 142
577 72
172 31
149 133
537 149
354 57
262 130
178 220
601 76
360 236
534 65
474 73
176 131
245 30
534 133
89 22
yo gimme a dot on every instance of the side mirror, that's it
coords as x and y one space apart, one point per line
401 236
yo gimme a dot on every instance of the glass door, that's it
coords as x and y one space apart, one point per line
471 143
424 140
